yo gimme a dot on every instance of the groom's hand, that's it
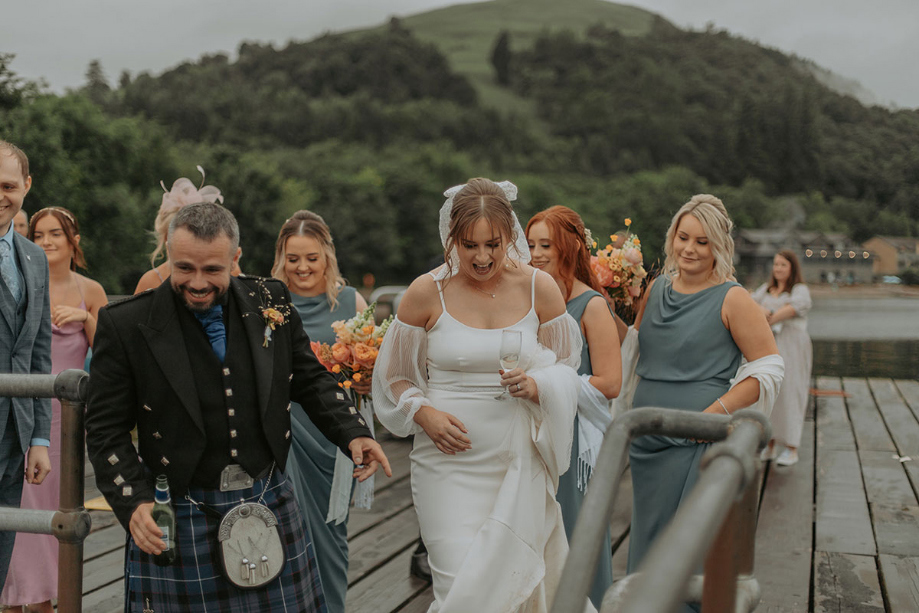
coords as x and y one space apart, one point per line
368 456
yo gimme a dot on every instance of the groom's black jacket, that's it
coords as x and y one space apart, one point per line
145 374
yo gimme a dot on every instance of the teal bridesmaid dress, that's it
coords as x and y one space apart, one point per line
569 496
687 359
311 462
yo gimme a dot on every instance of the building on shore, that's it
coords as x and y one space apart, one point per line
893 254
825 257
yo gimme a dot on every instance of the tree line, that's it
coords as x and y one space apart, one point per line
368 130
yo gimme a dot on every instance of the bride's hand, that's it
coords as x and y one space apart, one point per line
444 429
519 385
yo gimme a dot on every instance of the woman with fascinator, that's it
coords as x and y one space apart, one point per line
182 194
490 442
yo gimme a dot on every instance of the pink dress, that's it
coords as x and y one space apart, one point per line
32 576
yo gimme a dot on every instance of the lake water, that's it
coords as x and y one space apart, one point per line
865 336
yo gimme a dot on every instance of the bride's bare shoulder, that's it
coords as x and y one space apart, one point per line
420 301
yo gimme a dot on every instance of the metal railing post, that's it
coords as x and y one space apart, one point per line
71 523
727 473
70 565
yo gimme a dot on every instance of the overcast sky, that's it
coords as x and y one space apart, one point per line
875 43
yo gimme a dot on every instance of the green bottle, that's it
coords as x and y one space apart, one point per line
165 518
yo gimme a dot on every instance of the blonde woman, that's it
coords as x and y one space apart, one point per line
695 325
305 260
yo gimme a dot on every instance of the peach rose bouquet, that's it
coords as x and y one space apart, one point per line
357 344
620 269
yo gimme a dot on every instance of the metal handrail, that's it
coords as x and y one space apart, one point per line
71 523
665 575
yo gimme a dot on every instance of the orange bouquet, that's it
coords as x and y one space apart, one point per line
620 269
357 344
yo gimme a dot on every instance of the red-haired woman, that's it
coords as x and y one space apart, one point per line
785 301
75 304
559 246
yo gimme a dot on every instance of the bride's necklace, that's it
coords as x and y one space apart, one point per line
493 294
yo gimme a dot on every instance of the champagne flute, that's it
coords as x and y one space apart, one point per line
509 355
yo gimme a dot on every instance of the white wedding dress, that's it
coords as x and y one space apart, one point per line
488 516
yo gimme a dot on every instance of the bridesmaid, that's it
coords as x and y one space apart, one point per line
75 304
696 324
559 246
785 301
305 260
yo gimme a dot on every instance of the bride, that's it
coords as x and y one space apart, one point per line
485 466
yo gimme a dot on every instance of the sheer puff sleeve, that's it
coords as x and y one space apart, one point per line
400 378
554 368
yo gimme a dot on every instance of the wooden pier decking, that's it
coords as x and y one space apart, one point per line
837 532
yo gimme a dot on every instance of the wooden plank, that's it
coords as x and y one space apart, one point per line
870 431
842 521
784 532
900 420
103 541
847 583
396 450
910 391
374 547
834 430
385 504
109 599
896 529
901 582
102 519
387 589
885 479
420 603
103 570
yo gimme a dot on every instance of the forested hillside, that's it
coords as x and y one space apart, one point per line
368 128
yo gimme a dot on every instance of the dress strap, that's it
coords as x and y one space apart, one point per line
440 291
79 287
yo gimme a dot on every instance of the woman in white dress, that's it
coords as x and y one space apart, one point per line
484 468
785 300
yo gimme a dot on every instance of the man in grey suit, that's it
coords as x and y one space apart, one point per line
25 345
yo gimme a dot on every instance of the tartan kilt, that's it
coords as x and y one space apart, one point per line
195 584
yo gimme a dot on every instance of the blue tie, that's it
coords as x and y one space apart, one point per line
8 271
216 332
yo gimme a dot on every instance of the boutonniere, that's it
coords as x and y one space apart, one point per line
273 313
273 317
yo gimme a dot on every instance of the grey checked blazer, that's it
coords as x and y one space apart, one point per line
27 348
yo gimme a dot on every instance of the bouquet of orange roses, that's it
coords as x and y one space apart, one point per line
620 269
357 343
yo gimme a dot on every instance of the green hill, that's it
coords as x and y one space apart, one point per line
466 33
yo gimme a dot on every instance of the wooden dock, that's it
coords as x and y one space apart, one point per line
837 532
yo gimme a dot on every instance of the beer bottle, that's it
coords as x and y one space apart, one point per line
165 518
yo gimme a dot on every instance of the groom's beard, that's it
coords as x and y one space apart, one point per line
200 301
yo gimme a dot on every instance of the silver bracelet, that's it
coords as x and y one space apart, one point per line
722 406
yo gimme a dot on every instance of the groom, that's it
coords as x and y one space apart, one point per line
205 367
25 345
